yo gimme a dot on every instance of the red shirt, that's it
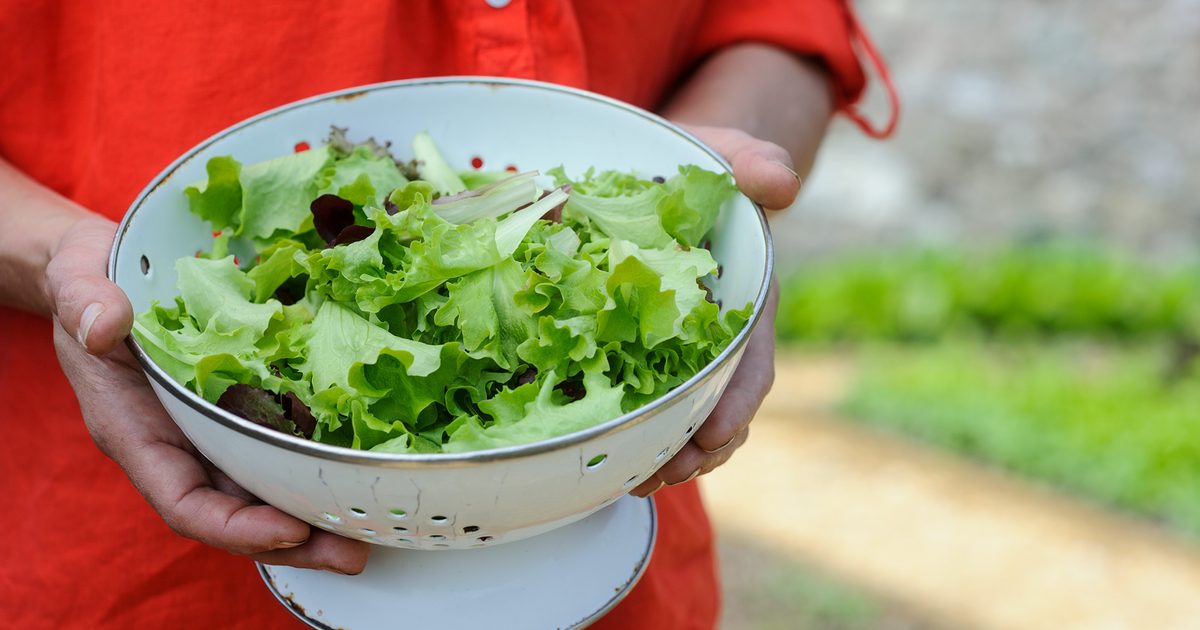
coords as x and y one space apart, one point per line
96 98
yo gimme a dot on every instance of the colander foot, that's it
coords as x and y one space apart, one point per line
565 578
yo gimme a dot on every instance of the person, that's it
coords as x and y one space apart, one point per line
96 98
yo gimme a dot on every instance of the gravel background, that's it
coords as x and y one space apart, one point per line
1022 119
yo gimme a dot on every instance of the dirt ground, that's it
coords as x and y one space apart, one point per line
903 536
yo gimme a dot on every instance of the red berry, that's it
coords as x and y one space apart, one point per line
301 146
476 162
511 168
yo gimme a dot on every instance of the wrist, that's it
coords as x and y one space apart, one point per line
33 220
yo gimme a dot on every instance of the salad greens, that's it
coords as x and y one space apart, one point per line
407 307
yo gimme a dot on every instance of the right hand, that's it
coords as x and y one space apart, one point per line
92 317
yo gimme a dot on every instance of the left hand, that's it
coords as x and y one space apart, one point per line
763 172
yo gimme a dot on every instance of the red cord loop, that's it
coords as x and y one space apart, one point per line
858 33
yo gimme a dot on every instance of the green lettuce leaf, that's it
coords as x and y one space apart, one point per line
276 194
220 202
534 413
364 178
693 202
340 340
683 209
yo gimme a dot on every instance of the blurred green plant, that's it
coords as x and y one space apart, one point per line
1027 291
1099 420
1067 363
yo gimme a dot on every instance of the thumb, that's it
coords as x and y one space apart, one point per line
87 305
763 170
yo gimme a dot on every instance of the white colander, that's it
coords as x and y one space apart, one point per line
464 500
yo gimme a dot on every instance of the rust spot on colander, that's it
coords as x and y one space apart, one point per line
351 96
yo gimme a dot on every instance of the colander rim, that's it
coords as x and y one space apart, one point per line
425 460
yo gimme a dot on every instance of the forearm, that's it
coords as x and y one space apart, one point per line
33 219
767 92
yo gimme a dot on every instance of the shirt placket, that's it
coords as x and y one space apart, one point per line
502 38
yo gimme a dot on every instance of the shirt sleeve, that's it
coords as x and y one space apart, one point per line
821 29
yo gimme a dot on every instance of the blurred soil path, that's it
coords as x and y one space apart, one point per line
952 540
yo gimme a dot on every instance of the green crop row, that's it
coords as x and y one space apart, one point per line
1023 292
1112 422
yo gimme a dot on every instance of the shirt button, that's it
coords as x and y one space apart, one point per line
497 4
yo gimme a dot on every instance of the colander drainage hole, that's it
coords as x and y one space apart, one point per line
400 530
443 545
439 520
690 429
397 513
629 481
484 539
437 537
145 265
661 455
367 532
596 461
331 517
470 529
358 512
407 541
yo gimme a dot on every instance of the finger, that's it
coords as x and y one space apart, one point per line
763 170
766 177
194 498
690 462
747 388
728 427
648 487
745 393
177 486
159 462
91 308
684 467
718 459
323 550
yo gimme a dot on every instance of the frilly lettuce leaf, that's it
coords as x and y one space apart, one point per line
220 201
213 317
532 413
681 210
276 194
340 340
363 178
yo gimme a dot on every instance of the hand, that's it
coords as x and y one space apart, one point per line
91 318
763 172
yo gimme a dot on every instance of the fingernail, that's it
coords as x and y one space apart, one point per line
90 314
694 474
660 487
288 544
719 448
790 170
337 571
